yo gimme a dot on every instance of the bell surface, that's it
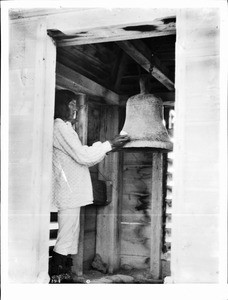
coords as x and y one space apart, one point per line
144 124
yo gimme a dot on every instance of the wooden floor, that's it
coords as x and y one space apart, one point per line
122 276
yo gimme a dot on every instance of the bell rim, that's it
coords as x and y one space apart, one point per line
140 144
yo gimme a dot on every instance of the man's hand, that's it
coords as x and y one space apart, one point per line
119 141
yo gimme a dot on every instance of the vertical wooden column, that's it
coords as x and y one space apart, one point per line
107 242
156 215
82 129
196 178
31 110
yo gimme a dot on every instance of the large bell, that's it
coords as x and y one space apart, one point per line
144 124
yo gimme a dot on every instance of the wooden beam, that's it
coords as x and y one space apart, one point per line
107 240
156 215
85 18
82 129
67 78
105 35
118 70
140 53
83 64
102 24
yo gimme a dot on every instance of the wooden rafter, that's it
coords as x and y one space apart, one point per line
110 25
83 65
67 78
118 74
140 53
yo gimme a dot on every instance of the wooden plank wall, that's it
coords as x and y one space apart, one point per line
135 207
94 115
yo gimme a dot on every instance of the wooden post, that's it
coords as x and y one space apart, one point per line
81 129
196 209
107 240
156 215
31 110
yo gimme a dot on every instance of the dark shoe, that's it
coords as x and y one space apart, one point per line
58 264
61 278
68 278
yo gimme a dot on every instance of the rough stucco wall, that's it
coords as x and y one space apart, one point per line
30 150
195 248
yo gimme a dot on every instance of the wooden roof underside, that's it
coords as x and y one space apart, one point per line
88 62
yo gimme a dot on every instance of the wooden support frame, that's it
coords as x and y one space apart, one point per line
148 61
67 78
156 215
82 129
115 24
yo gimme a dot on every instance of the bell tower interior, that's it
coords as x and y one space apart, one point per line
154 213
127 230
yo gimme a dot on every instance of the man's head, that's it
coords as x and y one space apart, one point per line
65 105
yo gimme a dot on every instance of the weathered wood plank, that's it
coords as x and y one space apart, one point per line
89 248
138 262
93 125
135 215
135 239
32 67
83 19
156 215
92 55
114 34
115 24
136 187
142 55
138 172
67 78
90 218
134 210
20 186
107 241
81 64
109 128
136 179
119 71
82 129
137 158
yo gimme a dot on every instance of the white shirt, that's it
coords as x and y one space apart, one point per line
72 186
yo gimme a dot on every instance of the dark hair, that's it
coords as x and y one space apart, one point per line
62 100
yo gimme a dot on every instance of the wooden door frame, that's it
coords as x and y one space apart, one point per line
43 96
66 21
66 26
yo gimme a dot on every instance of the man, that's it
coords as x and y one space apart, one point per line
72 187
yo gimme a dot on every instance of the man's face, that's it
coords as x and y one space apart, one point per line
73 111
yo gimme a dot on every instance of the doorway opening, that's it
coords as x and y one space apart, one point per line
108 73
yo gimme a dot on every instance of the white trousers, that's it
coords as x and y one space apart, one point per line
68 233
